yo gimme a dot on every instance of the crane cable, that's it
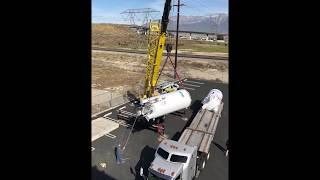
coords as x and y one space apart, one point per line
120 150
169 57
180 81
123 148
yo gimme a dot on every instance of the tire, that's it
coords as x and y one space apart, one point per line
203 165
157 120
208 156
203 161
194 177
197 173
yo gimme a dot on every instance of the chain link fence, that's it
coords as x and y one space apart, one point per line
114 101
108 99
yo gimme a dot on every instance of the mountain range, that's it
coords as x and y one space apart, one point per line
216 23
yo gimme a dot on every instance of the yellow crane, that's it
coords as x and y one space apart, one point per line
156 44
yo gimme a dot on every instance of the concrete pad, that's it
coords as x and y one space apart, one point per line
100 96
102 126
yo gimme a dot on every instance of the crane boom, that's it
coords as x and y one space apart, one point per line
156 43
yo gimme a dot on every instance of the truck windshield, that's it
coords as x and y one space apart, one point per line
164 154
177 158
154 177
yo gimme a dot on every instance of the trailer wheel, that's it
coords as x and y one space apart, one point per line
203 164
208 156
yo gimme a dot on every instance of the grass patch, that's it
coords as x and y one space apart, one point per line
211 48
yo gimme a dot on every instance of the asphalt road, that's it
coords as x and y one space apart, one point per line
143 142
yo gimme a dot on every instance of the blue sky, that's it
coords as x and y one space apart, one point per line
109 10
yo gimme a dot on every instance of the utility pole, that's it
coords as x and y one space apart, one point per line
177 37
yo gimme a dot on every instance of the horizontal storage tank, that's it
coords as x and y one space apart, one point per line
212 101
158 106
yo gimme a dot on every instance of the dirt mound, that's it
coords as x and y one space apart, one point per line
115 35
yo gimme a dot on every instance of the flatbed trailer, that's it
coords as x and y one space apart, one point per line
202 129
186 158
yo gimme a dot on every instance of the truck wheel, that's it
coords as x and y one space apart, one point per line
157 121
196 175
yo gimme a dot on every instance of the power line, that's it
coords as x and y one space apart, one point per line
193 8
132 15
204 5
140 10
198 8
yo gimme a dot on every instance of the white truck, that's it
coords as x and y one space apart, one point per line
185 158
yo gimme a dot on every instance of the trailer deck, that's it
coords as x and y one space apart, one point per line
201 131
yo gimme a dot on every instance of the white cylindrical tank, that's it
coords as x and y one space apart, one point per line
212 101
158 106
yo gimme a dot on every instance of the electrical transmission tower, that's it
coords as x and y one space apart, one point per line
144 14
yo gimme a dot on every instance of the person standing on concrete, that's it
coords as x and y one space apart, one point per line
118 154
228 147
160 129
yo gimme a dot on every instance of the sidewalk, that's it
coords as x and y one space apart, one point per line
100 127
